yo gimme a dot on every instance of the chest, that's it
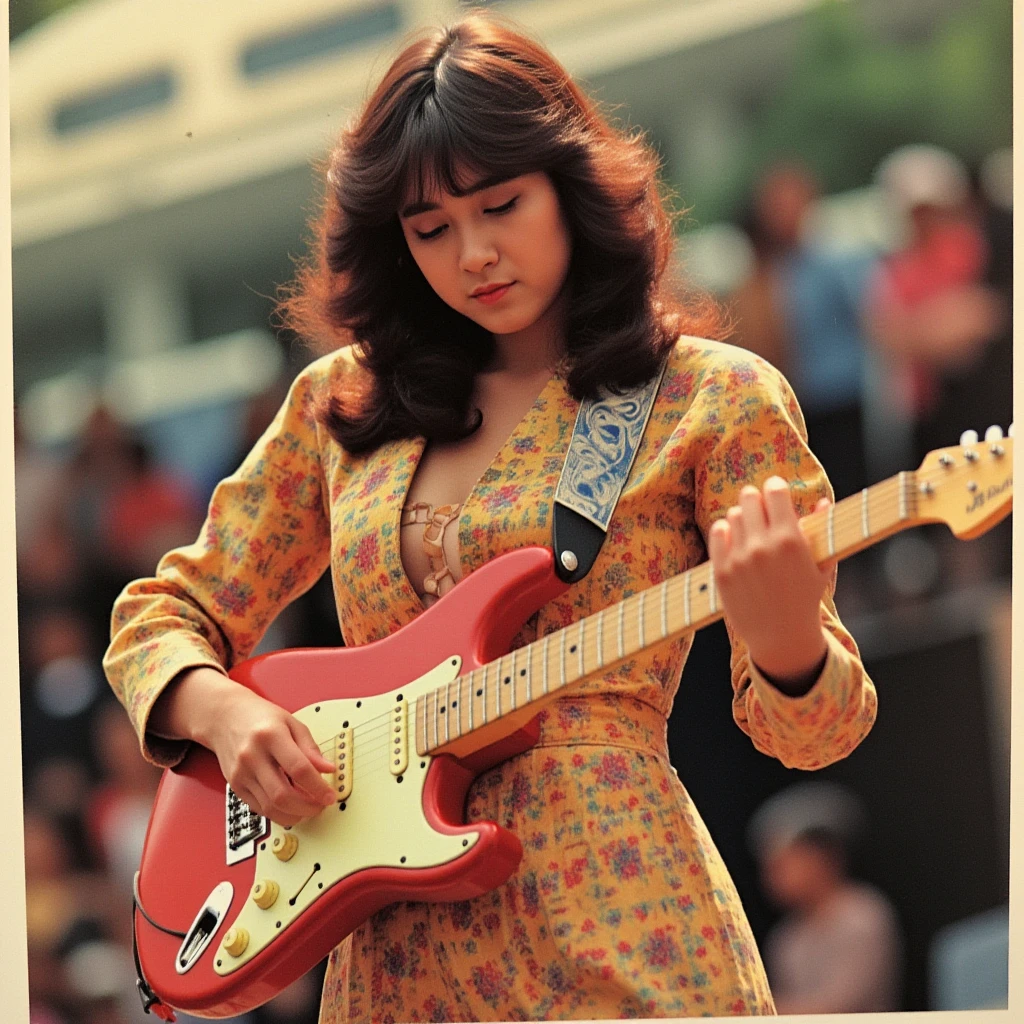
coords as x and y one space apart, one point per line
447 475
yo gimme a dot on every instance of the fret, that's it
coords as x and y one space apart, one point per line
687 619
422 712
640 625
434 695
472 687
622 618
865 531
579 645
447 709
514 683
497 691
529 673
903 496
831 531
600 639
712 597
483 689
544 671
457 707
561 652
664 611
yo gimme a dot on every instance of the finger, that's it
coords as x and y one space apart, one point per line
778 503
306 765
719 542
754 518
309 746
737 529
253 795
287 803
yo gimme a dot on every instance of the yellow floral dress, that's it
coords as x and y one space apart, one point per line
622 906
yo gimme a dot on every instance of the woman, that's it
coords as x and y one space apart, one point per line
490 251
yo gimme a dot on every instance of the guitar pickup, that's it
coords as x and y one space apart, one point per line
343 760
398 733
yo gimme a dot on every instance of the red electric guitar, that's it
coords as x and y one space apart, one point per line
231 908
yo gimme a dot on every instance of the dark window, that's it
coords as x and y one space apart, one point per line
318 39
153 89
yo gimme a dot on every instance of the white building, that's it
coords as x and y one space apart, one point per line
161 158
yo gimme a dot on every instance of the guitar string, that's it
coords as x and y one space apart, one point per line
371 730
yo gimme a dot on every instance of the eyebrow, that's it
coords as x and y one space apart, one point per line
489 182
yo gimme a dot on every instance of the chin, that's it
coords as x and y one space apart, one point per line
504 323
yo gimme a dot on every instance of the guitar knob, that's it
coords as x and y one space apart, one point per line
236 941
968 437
264 894
994 433
284 845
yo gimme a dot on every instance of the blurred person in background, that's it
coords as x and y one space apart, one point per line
801 309
838 946
61 685
930 309
60 900
938 310
118 809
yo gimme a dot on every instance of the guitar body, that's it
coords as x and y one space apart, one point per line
396 832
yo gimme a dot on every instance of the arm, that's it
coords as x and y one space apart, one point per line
266 540
779 610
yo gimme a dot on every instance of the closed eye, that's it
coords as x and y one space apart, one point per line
504 208
499 210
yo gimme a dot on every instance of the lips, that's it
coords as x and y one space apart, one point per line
492 293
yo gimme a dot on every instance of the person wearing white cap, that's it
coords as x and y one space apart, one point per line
928 309
837 949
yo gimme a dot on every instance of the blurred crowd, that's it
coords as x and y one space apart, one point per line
892 352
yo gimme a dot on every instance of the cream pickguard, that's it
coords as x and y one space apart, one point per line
381 824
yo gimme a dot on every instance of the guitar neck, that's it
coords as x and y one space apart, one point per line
530 675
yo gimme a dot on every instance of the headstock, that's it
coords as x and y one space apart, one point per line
969 487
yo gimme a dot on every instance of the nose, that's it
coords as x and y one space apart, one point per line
478 251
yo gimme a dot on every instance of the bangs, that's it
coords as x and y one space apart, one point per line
450 147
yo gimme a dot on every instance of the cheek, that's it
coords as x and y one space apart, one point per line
549 247
432 267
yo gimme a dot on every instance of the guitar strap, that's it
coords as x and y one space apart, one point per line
601 452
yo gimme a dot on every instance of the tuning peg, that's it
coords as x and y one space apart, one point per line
1010 431
994 433
968 437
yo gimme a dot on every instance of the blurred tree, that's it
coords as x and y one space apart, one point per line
853 97
23 14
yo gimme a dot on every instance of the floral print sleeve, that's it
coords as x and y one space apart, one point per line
746 426
266 540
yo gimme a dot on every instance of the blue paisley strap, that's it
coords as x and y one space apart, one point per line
601 452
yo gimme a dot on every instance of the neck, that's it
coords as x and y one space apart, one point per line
535 349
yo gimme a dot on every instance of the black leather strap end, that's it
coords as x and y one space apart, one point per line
573 533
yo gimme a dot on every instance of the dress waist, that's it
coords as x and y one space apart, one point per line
607 720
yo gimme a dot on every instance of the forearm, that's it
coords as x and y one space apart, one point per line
189 703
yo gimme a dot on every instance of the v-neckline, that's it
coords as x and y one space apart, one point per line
419 446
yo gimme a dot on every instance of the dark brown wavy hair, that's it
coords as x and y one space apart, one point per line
458 104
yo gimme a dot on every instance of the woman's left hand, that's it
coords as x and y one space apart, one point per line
769 584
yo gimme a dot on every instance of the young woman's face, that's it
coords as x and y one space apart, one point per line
499 255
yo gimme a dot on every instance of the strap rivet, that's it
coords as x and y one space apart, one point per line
569 560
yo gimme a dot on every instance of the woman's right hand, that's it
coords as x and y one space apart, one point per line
269 758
